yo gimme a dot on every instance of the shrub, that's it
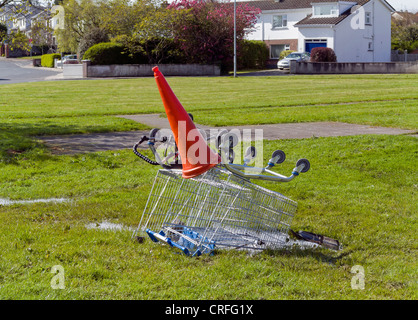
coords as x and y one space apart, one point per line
285 53
107 53
253 54
3 31
94 36
47 60
321 54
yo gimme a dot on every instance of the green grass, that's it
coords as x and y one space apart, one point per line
217 94
361 190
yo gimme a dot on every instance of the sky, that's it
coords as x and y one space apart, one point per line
410 5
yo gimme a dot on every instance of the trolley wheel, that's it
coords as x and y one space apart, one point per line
153 133
231 156
281 154
305 162
251 152
232 138
219 137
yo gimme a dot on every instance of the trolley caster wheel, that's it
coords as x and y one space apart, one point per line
160 135
232 139
219 138
306 164
231 156
281 156
250 155
153 133
251 152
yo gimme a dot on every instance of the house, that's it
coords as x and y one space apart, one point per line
358 31
33 21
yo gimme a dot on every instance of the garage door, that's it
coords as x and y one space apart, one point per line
310 45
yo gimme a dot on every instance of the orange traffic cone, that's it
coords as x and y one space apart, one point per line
195 154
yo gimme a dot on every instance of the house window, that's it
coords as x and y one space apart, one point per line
325 10
368 18
370 46
276 49
279 21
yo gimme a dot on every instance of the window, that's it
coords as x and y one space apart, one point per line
368 18
326 10
279 21
370 46
276 49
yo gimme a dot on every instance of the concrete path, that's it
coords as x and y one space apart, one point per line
70 144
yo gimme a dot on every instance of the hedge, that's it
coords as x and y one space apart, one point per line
106 53
47 60
253 54
322 54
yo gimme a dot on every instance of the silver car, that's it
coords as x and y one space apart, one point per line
298 56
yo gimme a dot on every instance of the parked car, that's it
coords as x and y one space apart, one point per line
298 56
70 59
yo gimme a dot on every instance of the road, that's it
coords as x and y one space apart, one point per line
20 70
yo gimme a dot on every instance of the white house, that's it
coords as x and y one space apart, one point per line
358 31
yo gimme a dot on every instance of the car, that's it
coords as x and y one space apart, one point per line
70 59
297 56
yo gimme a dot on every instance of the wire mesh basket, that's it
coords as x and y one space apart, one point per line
218 209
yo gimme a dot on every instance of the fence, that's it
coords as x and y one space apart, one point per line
352 67
405 57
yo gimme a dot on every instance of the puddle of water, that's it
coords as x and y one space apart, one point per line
105 225
8 202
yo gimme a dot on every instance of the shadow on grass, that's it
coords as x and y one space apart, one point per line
329 257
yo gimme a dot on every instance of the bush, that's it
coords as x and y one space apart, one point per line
107 53
253 54
285 53
47 60
321 54
94 36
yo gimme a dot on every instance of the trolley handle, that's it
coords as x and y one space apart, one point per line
151 142
143 157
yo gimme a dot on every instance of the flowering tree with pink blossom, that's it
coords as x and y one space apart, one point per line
205 31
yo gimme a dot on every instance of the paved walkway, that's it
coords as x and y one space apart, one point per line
70 144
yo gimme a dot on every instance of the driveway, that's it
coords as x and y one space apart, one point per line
21 70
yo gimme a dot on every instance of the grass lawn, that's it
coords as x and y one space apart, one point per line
361 190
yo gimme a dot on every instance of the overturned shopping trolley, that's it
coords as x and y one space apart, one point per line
214 205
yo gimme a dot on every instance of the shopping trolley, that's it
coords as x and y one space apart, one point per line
221 208
200 208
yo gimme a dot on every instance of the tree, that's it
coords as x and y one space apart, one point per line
3 31
4 3
405 32
41 32
80 16
205 31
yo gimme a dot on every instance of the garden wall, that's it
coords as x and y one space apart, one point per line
145 70
352 67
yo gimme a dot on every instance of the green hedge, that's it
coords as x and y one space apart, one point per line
253 54
106 53
47 60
